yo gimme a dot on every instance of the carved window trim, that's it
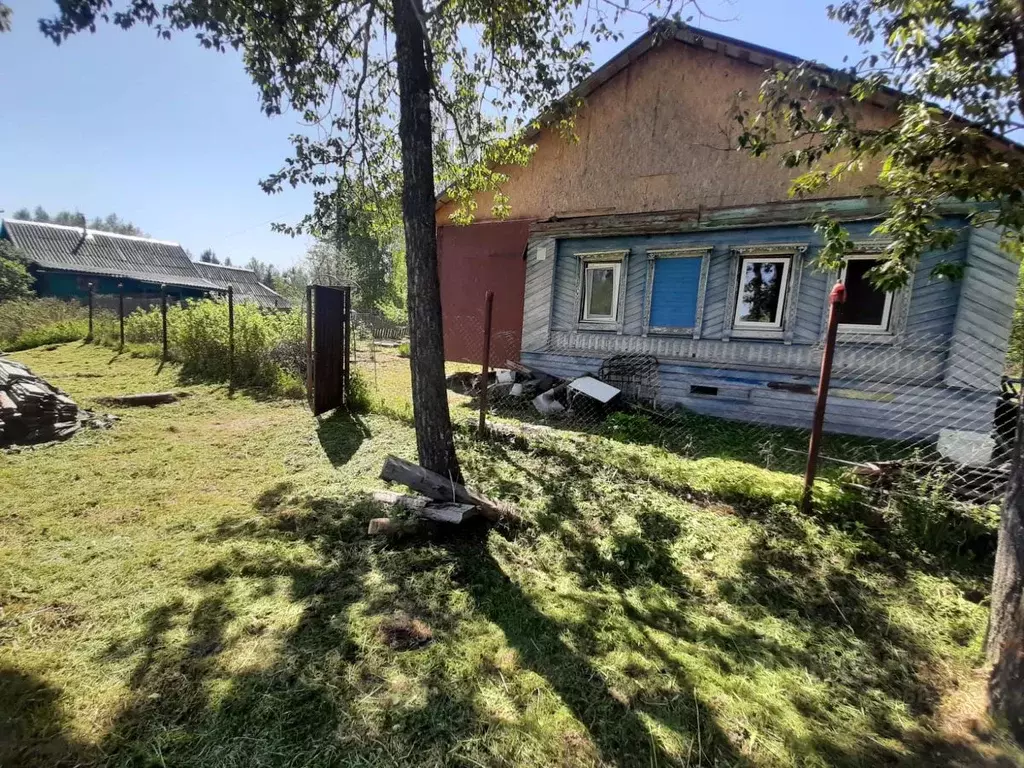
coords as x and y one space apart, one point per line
620 257
792 251
702 252
899 308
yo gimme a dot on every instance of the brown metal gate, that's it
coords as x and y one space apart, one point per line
328 322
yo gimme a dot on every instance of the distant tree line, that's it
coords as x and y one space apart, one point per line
111 223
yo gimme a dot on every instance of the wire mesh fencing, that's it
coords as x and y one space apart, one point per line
908 417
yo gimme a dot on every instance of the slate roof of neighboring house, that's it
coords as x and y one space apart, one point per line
247 287
69 249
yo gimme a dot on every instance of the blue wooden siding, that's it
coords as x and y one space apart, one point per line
932 377
70 285
932 308
674 293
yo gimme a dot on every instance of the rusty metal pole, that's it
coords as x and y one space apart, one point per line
91 295
231 339
163 318
835 299
485 369
120 310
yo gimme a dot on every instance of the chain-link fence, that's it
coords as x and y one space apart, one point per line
908 416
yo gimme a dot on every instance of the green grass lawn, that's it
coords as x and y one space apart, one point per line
195 588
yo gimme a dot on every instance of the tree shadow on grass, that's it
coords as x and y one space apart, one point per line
33 725
793 606
340 435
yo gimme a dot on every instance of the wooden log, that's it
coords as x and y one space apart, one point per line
442 512
385 526
146 398
440 488
413 503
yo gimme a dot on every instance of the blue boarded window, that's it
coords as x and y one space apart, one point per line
674 292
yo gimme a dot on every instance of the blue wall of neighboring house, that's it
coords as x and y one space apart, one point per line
940 369
71 285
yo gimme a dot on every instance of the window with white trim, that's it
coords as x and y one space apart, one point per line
761 293
867 308
601 291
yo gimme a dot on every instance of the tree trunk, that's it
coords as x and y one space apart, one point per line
1005 644
434 441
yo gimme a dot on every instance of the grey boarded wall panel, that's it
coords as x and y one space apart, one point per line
636 287
814 289
977 352
902 412
537 301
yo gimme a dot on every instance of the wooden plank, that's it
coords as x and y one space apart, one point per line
147 398
442 512
440 488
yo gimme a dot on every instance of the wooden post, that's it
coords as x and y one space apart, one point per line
231 339
485 367
91 295
309 343
120 310
836 299
163 318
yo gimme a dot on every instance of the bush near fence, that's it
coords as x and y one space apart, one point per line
269 347
27 323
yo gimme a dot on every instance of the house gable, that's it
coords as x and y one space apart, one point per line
656 136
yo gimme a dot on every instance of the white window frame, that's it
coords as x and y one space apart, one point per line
588 267
787 262
886 309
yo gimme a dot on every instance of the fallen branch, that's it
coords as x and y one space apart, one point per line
439 488
146 398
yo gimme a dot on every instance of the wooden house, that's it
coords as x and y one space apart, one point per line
69 261
652 237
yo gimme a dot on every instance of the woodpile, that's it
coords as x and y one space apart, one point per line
442 500
32 411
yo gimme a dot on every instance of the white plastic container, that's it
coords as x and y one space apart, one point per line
972 448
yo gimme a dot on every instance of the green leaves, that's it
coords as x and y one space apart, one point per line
964 57
15 280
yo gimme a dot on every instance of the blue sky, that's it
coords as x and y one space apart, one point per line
171 136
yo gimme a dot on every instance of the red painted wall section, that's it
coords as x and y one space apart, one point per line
472 260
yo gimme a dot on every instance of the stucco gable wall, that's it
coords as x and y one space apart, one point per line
655 137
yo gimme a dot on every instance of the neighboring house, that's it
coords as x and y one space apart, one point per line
66 260
247 287
650 237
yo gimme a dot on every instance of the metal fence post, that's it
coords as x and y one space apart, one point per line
231 339
836 299
120 310
485 368
163 317
91 302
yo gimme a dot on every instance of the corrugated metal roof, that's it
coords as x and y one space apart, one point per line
247 286
68 249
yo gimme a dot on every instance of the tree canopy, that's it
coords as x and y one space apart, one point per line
952 72
15 280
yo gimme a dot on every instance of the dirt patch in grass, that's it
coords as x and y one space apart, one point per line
404 633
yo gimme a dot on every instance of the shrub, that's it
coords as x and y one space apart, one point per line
404 350
27 323
269 348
